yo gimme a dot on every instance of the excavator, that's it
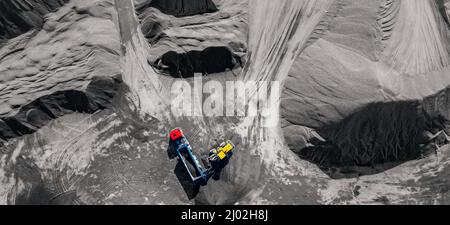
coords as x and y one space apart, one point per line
217 159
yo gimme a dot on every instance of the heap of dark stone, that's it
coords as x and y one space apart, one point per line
375 135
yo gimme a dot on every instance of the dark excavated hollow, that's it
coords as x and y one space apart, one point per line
209 61
181 8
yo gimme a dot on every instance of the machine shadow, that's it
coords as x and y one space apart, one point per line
191 189
183 177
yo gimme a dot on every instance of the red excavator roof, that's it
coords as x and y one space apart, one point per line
176 134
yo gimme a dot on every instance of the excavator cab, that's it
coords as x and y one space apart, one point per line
223 152
219 158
